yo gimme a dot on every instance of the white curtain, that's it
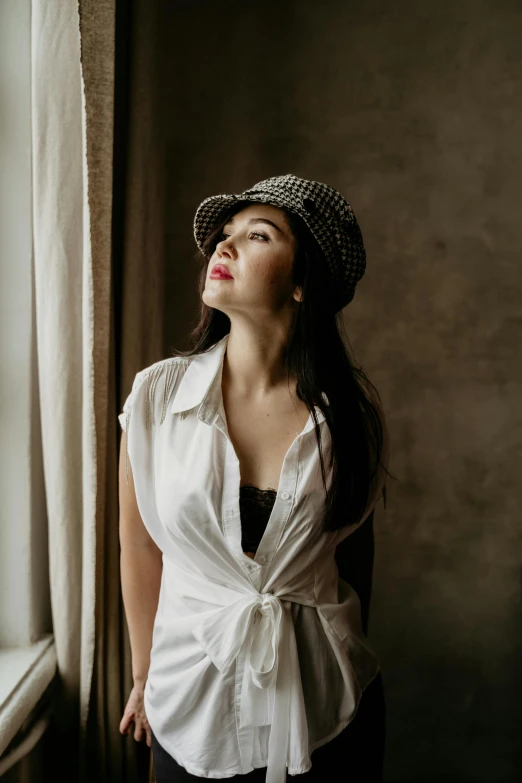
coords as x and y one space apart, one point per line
65 348
99 319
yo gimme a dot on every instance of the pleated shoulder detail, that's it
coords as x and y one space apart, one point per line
159 382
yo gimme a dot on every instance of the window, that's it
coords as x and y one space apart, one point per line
27 655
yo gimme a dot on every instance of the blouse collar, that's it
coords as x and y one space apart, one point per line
201 385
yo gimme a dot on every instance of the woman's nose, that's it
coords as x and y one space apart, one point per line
226 248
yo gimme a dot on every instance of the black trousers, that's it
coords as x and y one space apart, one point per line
356 754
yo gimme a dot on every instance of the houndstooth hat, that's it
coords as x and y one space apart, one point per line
327 214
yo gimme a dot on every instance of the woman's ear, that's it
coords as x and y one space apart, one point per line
298 294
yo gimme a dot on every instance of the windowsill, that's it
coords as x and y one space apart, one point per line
25 673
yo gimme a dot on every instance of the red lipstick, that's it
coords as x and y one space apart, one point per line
220 272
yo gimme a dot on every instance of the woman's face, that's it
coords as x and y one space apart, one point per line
257 249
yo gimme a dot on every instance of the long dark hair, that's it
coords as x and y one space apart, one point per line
318 357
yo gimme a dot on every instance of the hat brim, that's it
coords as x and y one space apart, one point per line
211 210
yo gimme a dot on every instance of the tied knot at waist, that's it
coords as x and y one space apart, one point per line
253 624
265 639
257 631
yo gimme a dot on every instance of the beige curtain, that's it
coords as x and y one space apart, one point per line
130 323
98 235
65 345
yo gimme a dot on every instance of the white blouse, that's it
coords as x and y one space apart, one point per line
254 662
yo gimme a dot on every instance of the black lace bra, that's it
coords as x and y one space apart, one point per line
255 507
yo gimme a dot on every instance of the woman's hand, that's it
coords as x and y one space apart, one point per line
135 711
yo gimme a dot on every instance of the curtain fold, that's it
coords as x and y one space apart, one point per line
63 299
98 249
124 158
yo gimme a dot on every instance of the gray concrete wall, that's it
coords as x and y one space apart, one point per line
413 111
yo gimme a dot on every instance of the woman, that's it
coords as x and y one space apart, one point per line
247 463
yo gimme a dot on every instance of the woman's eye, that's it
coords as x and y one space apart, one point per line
258 234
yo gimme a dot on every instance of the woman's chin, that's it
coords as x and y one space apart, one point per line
214 298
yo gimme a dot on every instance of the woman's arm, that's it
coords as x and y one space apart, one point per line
141 568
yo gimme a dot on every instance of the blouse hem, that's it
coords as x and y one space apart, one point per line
341 726
217 774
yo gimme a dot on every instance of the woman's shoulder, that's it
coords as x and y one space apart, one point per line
163 365
156 383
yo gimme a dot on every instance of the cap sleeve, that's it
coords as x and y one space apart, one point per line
124 416
148 400
144 412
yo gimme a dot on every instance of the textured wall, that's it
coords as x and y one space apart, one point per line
413 111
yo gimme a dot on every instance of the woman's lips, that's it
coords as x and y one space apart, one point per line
220 272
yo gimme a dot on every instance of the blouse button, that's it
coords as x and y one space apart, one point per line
262 559
285 495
